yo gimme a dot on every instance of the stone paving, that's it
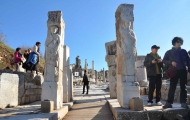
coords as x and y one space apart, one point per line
86 107
90 107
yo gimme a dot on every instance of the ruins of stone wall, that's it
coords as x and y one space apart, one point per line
18 88
141 71
111 62
165 89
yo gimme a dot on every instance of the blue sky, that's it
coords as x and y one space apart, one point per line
91 23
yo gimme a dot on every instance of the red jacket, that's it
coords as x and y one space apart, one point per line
17 57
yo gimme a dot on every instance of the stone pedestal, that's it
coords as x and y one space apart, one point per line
66 74
47 106
127 88
136 104
141 71
110 59
52 88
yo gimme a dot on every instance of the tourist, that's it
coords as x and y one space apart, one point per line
26 54
85 82
178 59
36 50
189 52
17 59
153 64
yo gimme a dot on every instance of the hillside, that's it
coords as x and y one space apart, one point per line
6 58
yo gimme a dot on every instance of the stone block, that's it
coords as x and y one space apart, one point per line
31 92
38 91
33 98
188 99
143 90
28 85
9 90
136 104
47 106
39 79
38 97
26 99
165 90
141 71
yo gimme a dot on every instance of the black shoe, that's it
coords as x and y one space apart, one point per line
184 105
167 105
83 93
86 93
179 117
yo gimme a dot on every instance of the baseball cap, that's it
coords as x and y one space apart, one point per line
155 46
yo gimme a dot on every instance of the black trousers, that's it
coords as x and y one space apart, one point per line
155 82
182 75
85 84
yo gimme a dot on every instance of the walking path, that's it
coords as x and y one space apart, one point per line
90 107
93 106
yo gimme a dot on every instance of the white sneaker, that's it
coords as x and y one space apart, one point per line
149 104
159 104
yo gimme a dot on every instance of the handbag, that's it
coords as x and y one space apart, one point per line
171 72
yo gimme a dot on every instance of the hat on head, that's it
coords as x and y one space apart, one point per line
155 46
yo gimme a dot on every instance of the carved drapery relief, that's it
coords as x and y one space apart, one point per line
54 42
126 41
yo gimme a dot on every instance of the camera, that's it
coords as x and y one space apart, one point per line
156 60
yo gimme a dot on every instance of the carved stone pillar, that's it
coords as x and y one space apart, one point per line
52 88
66 74
110 59
141 71
127 87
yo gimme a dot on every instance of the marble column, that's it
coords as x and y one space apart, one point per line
110 59
104 79
52 88
66 74
71 93
93 72
127 87
141 71
86 66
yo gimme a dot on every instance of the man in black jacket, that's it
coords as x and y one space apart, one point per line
153 64
178 59
85 82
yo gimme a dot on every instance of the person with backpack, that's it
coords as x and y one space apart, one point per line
153 64
178 60
36 50
32 62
